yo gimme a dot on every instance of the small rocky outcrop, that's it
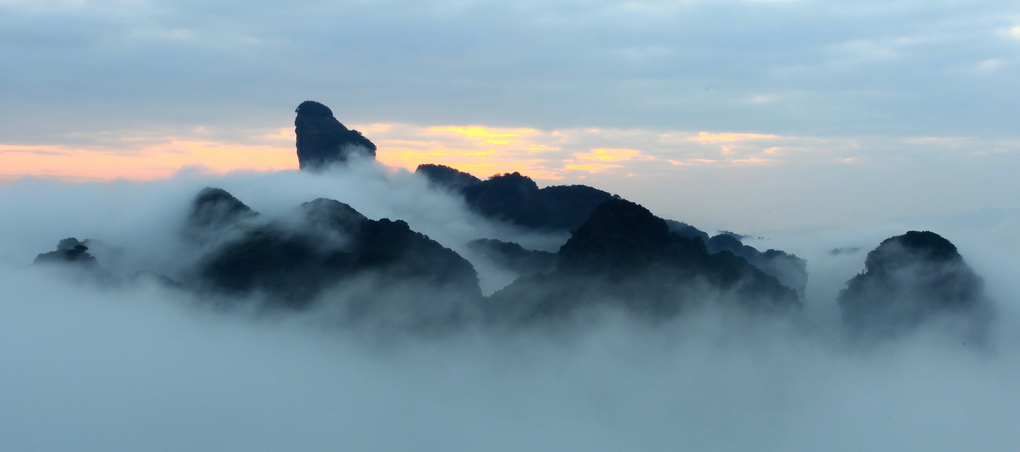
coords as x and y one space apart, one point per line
69 251
912 279
323 141
73 256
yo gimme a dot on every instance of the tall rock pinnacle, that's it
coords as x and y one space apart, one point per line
322 140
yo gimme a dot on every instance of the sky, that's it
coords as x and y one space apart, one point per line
815 124
764 115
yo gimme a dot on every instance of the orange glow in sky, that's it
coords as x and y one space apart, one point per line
479 150
151 162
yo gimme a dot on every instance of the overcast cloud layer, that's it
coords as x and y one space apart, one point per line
788 67
854 111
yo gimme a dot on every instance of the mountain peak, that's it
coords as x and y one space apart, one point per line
322 140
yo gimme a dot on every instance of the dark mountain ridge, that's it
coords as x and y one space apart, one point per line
516 198
625 256
326 255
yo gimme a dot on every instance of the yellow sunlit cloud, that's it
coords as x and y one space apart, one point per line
591 167
1015 32
600 160
609 155
479 150
727 137
482 151
487 135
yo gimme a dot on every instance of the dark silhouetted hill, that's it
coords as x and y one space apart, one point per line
325 250
785 267
322 140
73 256
212 212
911 279
516 198
447 177
686 230
625 256
69 251
512 256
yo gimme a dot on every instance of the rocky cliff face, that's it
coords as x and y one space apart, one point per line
323 141
913 279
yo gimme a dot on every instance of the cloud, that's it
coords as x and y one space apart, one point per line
892 87
918 173
548 65
142 367
485 135
151 160
708 137
104 374
604 74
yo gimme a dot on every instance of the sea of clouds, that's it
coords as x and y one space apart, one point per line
140 366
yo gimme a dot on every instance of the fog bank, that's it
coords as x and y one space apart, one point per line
146 367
